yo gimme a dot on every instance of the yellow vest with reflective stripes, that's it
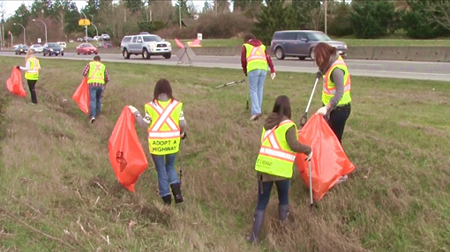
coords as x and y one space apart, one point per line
96 72
275 156
33 72
164 131
329 88
256 57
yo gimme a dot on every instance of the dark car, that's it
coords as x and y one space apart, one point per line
105 45
300 43
86 48
21 49
52 48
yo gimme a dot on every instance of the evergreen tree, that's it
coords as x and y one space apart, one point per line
372 19
274 17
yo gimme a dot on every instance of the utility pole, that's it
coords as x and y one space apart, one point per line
179 13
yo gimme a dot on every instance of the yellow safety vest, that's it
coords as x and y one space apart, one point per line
96 72
329 88
256 57
164 131
33 71
275 156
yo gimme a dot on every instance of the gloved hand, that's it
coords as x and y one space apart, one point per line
319 75
183 135
18 67
133 109
322 111
309 156
272 75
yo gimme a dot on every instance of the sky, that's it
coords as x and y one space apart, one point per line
12 5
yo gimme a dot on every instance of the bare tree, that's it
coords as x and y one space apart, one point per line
438 13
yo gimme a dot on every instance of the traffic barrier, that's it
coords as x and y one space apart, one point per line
360 52
427 53
218 51
390 53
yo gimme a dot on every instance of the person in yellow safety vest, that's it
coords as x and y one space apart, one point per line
336 89
165 123
279 145
97 75
255 62
337 85
31 69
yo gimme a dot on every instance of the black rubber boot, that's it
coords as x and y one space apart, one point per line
257 225
176 191
283 212
167 199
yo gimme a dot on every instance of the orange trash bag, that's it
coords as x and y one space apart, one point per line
14 83
81 96
329 161
125 151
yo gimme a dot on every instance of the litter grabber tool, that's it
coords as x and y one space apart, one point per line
310 185
304 118
230 84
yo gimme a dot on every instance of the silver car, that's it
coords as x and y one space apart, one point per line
38 48
300 43
145 44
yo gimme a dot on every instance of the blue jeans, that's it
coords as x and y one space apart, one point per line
283 193
256 80
95 104
165 166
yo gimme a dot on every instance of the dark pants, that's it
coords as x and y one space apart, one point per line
31 86
264 195
337 120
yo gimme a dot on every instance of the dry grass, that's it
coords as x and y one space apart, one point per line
58 191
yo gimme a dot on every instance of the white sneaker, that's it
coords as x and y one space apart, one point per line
342 179
92 119
254 117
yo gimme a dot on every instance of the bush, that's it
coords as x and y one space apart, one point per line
226 25
421 22
340 25
372 19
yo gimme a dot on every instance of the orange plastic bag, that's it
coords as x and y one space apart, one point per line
125 151
14 83
81 96
329 161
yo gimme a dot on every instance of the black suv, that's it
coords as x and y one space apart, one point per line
52 48
300 43
21 49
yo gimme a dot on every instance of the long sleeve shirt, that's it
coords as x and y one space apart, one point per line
27 67
86 71
244 56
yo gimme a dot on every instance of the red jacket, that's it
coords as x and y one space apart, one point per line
254 42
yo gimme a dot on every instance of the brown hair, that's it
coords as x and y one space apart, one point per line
249 36
282 107
162 87
322 54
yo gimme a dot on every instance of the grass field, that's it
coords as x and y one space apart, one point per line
58 191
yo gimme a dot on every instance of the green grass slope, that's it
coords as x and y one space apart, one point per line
58 191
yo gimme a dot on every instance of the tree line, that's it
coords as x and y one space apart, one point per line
361 18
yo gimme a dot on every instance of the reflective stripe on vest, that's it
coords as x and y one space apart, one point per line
329 87
275 156
33 72
96 72
164 131
256 57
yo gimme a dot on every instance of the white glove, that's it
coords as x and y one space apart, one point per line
133 109
309 156
272 75
322 111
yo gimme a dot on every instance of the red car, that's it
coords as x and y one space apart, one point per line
86 48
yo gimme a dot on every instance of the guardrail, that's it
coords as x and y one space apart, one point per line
412 53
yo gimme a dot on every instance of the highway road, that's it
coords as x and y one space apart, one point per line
437 71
